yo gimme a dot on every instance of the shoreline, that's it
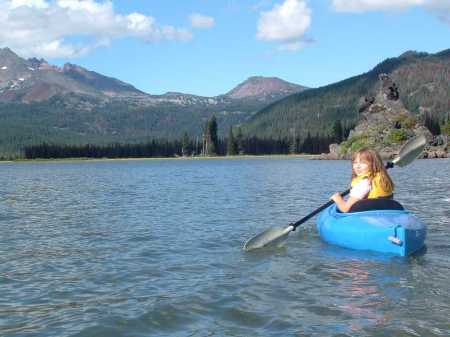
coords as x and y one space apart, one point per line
265 156
86 159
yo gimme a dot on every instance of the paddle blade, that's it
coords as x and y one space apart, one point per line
410 151
272 237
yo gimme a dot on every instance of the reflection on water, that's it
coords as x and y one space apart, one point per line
154 248
362 298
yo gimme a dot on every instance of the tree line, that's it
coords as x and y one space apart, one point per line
235 144
211 145
166 148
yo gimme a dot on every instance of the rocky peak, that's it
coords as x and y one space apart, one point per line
173 93
13 69
8 53
258 86
9 59
36 63
69 67
79 72
383 112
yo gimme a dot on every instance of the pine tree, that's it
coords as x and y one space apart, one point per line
338 132
212 126
210 138
348 126
432 124
293 145
240 141
185 145
231 144
206 140
307 144
437 127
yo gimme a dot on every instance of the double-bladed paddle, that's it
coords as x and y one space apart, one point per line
275 236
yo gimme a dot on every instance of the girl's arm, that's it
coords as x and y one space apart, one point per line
343 205
358 192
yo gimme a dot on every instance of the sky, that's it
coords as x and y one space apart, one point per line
207 47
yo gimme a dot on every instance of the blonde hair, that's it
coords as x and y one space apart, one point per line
376 166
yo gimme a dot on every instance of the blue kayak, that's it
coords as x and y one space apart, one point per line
388 231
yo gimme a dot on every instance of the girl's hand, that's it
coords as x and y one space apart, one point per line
336 197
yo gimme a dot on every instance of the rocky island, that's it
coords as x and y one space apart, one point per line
385 124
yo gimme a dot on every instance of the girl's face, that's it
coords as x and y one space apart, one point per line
360 166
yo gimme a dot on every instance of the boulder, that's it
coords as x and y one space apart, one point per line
334 152
388 88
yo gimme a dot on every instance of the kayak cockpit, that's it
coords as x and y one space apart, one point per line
375 204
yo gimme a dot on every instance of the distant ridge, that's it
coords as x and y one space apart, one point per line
36 80
106 85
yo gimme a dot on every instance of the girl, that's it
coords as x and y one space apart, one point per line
369 180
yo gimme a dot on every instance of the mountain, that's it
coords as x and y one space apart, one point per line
423 79
40 102
35 80
263 88
107 85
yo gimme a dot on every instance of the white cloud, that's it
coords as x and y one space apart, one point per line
48 28
201 21
29 3
443 4
441 8
370 5
285 23
57 48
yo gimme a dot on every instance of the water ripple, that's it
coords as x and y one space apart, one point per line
153 248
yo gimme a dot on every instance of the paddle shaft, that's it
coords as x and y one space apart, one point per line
320 209
328 204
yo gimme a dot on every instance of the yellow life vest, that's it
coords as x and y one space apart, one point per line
376 191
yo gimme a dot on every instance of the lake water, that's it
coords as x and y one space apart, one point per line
154 248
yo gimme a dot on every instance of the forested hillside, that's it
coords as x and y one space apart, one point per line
424 80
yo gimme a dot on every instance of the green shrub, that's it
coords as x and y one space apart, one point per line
409 122
354 143
358 145
401 117
396 136
405 121
445 129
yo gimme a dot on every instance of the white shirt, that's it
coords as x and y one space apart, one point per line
361 189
